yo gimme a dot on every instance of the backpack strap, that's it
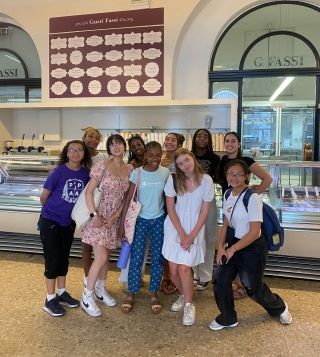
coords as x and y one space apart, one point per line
246 197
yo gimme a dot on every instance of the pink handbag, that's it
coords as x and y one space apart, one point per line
133 212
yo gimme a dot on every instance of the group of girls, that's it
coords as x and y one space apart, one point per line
184 237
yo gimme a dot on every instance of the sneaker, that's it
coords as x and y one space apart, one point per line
53 308
178 304
195 281
202 285
215 326
101 295
189 314
285 316
67 300
89 305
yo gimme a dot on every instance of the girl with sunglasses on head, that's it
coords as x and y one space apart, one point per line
245 254
60 193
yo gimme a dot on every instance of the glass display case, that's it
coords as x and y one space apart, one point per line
294 194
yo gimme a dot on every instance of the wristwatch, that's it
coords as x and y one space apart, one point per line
93 214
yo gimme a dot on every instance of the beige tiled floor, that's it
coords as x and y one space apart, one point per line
26 330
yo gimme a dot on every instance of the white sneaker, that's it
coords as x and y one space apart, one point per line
89 306
285 317
101 295
189 314
178 304
216 327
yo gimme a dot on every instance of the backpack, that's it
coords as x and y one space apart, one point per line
270 227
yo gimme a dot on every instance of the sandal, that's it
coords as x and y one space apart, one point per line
239 291
167 287
155 305
127 305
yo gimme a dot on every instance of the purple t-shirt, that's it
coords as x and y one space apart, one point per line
65 186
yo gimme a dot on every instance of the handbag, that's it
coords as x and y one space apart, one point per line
80 212
132 212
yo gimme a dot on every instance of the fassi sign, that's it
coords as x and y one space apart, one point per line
277 61
8 72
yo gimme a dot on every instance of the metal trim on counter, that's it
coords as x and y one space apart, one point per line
277 265
25 209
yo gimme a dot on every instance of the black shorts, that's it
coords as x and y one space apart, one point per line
56 243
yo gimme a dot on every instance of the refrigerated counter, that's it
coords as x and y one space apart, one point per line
294 194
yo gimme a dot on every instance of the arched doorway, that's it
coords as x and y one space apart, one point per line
270 57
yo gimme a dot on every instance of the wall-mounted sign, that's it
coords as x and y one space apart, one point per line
114 54
278 61
8 73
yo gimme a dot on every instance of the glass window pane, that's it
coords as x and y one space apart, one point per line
12 94
289 17
225 90
280 52
10 66
35 95
281 127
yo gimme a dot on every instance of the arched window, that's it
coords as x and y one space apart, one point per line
269 56
20 70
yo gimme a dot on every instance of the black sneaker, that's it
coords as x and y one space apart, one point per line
67 300
53 308
202 285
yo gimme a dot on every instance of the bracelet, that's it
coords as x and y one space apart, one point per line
234 249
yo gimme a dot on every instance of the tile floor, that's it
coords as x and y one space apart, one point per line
26 330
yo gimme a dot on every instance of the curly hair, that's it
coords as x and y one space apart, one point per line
90 130
85 162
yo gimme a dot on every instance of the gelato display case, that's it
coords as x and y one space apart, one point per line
294 194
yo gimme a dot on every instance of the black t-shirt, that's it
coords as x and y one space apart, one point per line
209 163
221 174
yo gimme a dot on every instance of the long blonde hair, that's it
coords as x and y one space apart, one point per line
181 177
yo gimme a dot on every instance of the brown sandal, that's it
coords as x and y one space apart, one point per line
155 305
127 305
167 287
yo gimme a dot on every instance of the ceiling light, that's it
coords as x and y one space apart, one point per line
281 88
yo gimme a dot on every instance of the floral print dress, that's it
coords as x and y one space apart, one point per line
114 189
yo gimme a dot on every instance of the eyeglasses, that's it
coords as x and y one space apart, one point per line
237 175
117 144
73 150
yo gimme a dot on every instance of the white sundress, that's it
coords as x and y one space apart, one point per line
188 209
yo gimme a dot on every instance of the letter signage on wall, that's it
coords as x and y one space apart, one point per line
116 54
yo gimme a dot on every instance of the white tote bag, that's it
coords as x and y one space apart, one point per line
80 213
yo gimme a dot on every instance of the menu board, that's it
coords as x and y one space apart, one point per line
115 54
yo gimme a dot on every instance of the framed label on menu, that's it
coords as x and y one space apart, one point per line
115 54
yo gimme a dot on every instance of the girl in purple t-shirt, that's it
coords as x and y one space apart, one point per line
60 193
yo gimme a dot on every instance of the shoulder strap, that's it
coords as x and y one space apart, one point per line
246 198
174 179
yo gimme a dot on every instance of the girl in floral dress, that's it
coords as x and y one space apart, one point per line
101 231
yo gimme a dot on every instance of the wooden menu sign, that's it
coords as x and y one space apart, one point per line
115 54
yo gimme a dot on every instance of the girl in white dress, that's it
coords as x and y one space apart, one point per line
188 201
